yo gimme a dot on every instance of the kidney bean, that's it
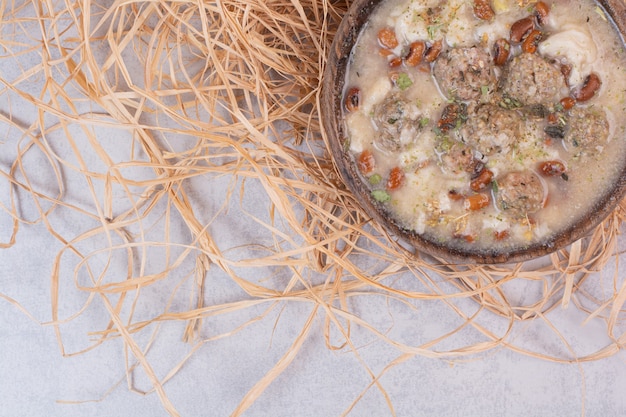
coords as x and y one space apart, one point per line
476 202
501 51
566 70
521 28
482 180
589 88
552 168
501 235
529 45
433 51
387 38
353 98
541 12
396 178
395 62
467 238
483 10
568 102
454 195
366 161
415 54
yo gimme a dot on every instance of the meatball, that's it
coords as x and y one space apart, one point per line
463 73
457 157
587 128
531 79
520 193
491 128
397 122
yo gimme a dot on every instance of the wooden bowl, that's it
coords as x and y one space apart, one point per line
335 129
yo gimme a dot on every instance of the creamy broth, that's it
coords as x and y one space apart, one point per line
463 146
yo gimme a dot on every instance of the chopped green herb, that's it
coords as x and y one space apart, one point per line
424 121
381 196
445 144
403 81
510 103
494 186
375 179
432 29
484 90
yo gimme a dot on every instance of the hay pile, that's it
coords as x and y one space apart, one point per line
217 172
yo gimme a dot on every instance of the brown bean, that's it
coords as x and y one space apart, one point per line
387 38
353 99
566 70
568 102
501 51
465 237
529 45
396 178
433 51
454 195
552 168
501 235
476 202
395 62
589 88
366 161
521 28
541 11
416 53
482 180
483 10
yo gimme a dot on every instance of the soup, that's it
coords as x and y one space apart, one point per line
488 124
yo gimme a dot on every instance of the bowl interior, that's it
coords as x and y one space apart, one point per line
333 124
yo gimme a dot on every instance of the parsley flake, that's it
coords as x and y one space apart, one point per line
375 179
381 196
403 81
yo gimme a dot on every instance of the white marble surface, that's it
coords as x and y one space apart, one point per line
36 379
